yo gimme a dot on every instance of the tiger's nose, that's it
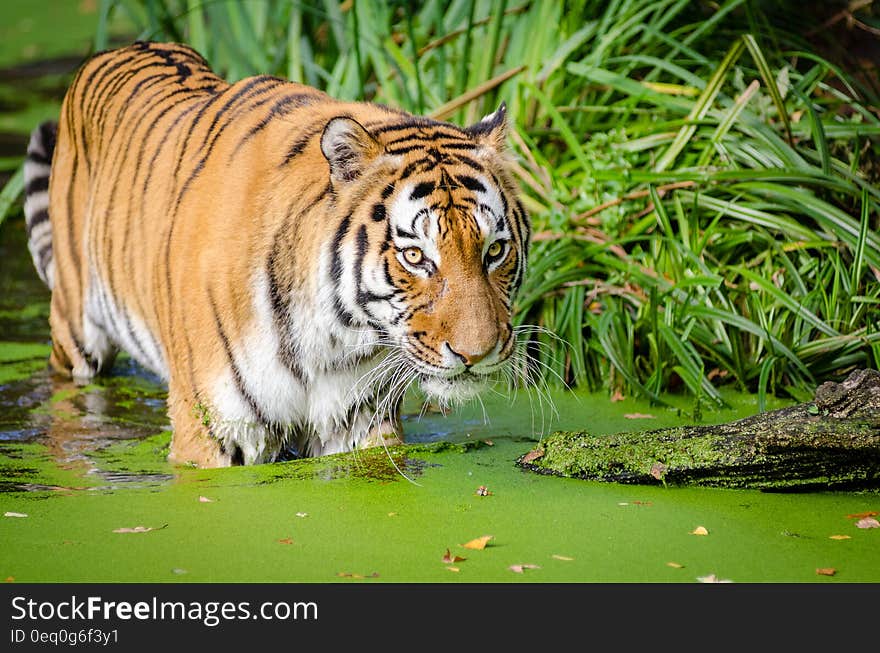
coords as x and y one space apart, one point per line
470 358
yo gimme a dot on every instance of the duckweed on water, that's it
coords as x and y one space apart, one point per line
20 360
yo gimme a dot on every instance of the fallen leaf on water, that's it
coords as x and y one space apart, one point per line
489 442
712 578
862 515
453 569
286 540
14 514
448 557
346 574
556 556
478 543
674 565
639 416
519 568
139 529
826 571
616 396
534 454
392 514
483 491
642 503
839 537
205 500
700 530
868 522
658 470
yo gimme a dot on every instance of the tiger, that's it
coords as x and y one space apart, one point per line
289 264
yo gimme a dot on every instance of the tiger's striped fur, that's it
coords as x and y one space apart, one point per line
36 203
289 263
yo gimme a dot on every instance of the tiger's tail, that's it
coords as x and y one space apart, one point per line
37 166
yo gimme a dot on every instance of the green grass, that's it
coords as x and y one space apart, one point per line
702 183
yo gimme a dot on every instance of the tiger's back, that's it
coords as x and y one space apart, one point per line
208 229
134 145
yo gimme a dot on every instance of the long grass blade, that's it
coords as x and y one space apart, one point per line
701 108
11 192
769 82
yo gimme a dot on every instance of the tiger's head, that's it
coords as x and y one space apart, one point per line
432 246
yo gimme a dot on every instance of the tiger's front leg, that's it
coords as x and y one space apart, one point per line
191 441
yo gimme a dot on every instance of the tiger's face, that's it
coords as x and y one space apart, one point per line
436 254
453 259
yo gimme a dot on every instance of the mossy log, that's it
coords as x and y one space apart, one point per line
832 442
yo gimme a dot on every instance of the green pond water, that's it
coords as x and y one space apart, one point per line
82 463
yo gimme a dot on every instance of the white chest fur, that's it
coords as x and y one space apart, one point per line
325 403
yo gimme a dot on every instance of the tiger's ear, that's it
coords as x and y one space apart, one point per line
348 148
492 129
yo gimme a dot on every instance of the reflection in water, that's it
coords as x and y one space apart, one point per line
78 424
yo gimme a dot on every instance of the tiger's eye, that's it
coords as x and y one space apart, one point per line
413 255
495 249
